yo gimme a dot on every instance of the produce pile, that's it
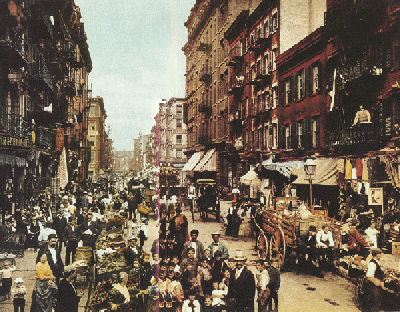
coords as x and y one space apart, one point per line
110 262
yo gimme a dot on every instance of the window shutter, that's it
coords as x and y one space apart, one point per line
282 138
295 86
317 132
319 79
308 133
303 83
310 80
294 139
291 83
282 93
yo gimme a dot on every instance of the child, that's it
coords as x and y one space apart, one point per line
218 296
274 284
6 280
19 292
204 278
191 304
262 286
208 306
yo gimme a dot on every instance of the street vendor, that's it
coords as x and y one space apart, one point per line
132 252
116 298
375 277
325 243
356 244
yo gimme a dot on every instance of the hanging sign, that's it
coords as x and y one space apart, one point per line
14 142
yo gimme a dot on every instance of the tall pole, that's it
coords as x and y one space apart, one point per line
311 197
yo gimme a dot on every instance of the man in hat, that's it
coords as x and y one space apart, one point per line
178 227
375 278
67 298
195 244
217 245
45 232
242 285
89 230
307 246
71 237
132 252
59 224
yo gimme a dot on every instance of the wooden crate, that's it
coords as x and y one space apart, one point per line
396 248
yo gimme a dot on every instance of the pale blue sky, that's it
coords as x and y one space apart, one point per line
136 50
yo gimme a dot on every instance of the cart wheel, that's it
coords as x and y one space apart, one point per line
262 246
277 247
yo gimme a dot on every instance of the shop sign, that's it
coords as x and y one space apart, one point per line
375 196
14 142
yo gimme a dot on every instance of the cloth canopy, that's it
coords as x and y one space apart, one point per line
284 168
251 178
208 162
325 174
192 162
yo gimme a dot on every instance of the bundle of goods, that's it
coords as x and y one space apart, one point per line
110 262
115 222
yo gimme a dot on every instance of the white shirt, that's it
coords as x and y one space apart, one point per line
371 233
44 234
322 236
53 254
185 306
238 272
194 246
262 280
371 269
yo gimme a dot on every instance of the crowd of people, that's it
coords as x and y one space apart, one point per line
194 277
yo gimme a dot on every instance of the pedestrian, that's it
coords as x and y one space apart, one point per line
6 278
178 227
53 257
67 298
262 286
33 233
89 230
236 221
189 270
45 291
307 245
191 304
59 224
71 240
217 245
195 244
19 292
132 252
204 278
375 281
242 286
45 233
274 284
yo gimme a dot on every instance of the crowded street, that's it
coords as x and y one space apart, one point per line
199 156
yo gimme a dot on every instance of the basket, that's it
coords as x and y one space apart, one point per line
144 209
84 253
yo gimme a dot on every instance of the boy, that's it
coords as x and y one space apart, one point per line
208 307
262 286
191 304
274 284
19 292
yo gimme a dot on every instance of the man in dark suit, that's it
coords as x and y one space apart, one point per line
53 257
71 236
242 286
89 230
59 224
133 252
307 246
67 298
195 244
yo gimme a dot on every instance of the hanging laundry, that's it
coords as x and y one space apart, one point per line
364 176
359 168
348 169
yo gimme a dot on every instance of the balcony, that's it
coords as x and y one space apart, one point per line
262 73
204 106
42 75
14 125
70 88
344 13
204 139
235 56
235 84
56 68
11 45
40 23
45 138
203 46
261 36
367 133
205 74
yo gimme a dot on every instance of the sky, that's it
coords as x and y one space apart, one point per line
136 51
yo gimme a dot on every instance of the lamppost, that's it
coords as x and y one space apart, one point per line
310 168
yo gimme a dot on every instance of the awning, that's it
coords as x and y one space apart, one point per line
326 173
284 168
192 162
250 178
208 162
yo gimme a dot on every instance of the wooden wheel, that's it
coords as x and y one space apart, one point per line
262 246
277 247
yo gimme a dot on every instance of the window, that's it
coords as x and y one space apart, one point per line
266 28
266 64
274 97
179 109
287 87
275 22
90 143
300 134
299 85
285 137
314 78
179 139
179 123
274 135
179 153
93 157
315 131
274 56
92 126
92 112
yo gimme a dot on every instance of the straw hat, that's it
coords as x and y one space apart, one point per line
239 256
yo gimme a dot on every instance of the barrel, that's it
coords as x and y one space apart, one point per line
84 253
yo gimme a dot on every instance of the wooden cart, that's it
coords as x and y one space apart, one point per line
208 199
279 231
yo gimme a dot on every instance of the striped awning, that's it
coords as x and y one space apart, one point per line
208 162
192 162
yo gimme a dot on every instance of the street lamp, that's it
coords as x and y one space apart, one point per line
310 168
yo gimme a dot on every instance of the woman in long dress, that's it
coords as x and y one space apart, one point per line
45 290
